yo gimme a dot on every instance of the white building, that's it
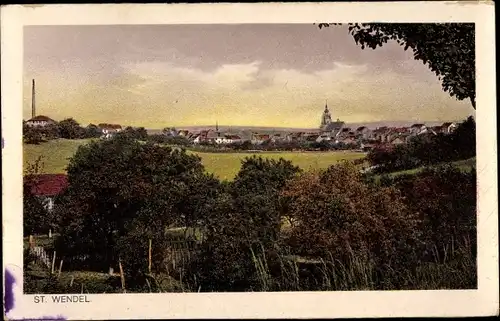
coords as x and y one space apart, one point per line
40 121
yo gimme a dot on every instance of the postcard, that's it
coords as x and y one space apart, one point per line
280 160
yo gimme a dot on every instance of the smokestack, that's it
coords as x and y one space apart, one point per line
33 112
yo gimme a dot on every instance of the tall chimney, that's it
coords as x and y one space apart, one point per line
33 112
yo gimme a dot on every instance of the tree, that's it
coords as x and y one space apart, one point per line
246 216
448 49
139 133
92 131
121 189
445 199
464 139
70 129
31 135
338 214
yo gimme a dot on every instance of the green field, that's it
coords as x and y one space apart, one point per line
464 165
56 154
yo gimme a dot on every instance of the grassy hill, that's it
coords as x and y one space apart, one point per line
464 165
56 155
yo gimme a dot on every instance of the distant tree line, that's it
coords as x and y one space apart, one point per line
427 149
68 128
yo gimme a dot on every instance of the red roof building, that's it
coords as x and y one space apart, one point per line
48 184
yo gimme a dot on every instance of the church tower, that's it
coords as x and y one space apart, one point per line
326 118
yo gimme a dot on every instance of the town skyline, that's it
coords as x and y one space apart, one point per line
236 75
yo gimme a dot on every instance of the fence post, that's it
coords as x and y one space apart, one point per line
60 268
31 241
53 262
122 276
149 255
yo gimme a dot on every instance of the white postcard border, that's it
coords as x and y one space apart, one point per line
483 301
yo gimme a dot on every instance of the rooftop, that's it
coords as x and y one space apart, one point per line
41 118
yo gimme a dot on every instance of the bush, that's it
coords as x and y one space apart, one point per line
336 213
445 200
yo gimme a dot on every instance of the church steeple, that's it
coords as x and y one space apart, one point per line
327 117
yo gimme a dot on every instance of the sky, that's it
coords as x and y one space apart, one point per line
277 75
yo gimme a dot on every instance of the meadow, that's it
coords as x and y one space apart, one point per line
56 154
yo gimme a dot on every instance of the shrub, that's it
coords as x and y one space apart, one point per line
445 200
336 213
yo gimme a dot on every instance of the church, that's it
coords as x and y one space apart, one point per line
328 126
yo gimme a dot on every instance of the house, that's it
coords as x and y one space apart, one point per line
40 121
323 137
196 138
348 140
436 129
258 139
222 140
212 135
398 141
393 133
379 134
108 130
277 138
363 132
312 137
170 132
416 129
294 137
344 133
200 137
47 187
228 139
205 136
448 128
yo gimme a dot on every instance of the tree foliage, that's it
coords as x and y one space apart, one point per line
121 189
71 129
31 135
92 131
448 49
444 199
336 213
246 216
139 133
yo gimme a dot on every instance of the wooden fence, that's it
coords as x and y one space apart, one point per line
180 252
41 256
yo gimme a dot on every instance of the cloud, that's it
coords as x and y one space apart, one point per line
156 94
